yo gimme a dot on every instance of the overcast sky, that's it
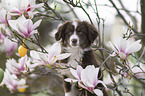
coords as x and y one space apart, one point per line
109 13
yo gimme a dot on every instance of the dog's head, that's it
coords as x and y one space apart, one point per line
76 34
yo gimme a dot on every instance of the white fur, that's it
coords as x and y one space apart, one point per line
77 54
74 36
75 24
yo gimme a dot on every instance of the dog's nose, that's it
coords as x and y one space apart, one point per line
74 40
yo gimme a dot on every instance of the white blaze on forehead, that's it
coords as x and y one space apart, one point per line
74 35
75 25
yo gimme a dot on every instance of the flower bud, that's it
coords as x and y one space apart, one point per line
22 51
22 90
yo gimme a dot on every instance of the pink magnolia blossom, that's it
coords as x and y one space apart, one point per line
123 47
4 30
76 73
9 46
24 27
87 78
19 7
1 36
54 54
12 83
20 67
3 16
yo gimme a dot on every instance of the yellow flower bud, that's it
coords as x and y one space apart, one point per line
22 90
22 51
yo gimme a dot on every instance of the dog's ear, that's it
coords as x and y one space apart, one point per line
61 31
92 31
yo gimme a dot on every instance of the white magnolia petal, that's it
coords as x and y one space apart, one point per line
90 73
88 84
23 61
79 70
70 80
43 57
55 49
22 30
33 32
38 5
98 92
81 85
13 63
122 44
28 24
34 54
21 82
74 73
9 67
63 56
13 23
36 24
99 81
136 46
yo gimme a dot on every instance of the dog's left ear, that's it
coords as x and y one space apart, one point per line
92 31
61 31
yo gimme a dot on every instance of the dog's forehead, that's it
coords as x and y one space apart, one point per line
75 24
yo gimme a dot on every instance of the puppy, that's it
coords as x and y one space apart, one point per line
77 38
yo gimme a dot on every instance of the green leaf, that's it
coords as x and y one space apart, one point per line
1 75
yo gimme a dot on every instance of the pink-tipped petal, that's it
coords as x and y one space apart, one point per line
63 56
74 73
136 46
98 92
36 24
99 81
79 70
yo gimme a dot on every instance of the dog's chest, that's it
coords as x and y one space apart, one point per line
77 54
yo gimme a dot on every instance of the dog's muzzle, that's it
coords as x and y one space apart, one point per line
74 41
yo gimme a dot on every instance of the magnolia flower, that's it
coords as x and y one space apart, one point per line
24 27
123 47
53 55
3 16
12 83
19 7
9 46
22 66
87 78
1 36
76 73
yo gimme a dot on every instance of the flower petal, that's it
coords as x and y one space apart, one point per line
99 81
90 73
70 80
34 54
36 24
55 49
63 56
136 46
22 61
74 73
98 92
79 70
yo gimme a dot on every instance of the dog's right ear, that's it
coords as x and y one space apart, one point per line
61 31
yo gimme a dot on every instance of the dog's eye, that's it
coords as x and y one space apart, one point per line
69 33
80 32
